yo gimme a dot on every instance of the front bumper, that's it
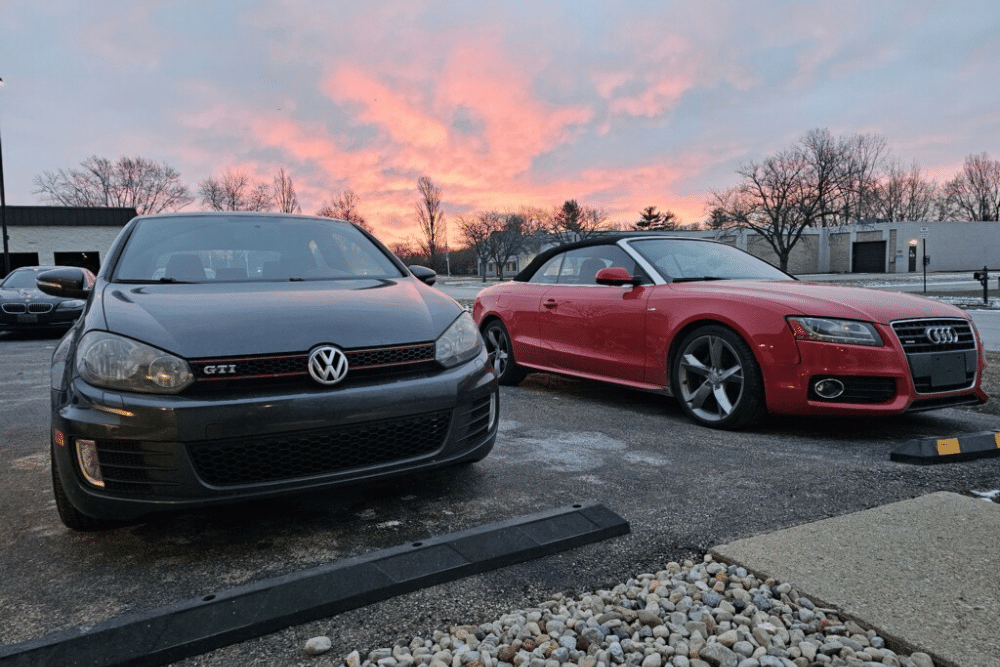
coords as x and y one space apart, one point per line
32 322
162 453
882 380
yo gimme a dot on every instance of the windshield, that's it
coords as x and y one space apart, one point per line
244 248
20 279
681 260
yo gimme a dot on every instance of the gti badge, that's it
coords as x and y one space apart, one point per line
327 365
220 369
941 335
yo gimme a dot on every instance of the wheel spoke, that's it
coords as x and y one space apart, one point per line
693 364
697 398
722 400
716 348
734 374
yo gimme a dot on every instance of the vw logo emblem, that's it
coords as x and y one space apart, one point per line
327 365
941 335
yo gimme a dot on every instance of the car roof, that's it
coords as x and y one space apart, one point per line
238 214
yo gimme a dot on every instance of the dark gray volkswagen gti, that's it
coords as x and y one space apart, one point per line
231 356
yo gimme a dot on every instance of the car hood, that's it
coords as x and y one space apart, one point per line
230 319
825 299
25 294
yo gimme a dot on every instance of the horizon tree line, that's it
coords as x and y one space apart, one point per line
820 181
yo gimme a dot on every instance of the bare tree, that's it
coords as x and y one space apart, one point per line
345 207
235 191
974 193
431 220
132 182
777 199
283 193
902 194
497 237
860 158
475 231
820 181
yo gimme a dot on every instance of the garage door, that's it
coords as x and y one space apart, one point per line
869 257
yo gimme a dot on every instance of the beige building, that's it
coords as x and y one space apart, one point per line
47 235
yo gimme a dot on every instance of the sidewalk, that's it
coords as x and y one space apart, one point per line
924 573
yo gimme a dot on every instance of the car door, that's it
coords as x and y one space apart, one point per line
595 330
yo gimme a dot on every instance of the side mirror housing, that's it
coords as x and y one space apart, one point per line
423 274
616 275
70 282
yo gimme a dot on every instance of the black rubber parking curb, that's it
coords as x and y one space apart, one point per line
926 451
185 629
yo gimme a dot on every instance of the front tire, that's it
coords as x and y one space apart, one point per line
501 351
716 379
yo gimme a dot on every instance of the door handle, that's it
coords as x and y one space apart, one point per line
551 303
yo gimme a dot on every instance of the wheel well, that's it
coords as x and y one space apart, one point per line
486 321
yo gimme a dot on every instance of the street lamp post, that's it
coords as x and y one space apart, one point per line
3 214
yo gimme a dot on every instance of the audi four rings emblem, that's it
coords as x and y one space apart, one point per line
941 335
327 365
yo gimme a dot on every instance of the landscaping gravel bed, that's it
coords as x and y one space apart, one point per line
707 614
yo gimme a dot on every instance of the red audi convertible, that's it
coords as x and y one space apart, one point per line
730 336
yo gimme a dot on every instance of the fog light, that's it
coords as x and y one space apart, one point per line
86 456
829 388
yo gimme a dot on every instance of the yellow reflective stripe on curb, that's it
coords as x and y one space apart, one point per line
996 438
948 446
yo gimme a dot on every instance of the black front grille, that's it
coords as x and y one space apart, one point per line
39 308
308 453
912 336
479 419
864 390
948 363
130 466
14 308
264 370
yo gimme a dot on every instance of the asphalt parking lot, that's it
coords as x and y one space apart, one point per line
681 488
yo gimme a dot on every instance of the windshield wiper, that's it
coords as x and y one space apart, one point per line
697 279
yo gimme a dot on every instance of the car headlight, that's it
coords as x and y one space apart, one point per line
827 330
459 343
107 360
71 304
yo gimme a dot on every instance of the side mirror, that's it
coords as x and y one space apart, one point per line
423 274
72 283
616 275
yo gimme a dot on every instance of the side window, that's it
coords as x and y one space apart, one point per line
548 273
581 265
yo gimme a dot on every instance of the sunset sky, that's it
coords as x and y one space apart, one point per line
618 105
